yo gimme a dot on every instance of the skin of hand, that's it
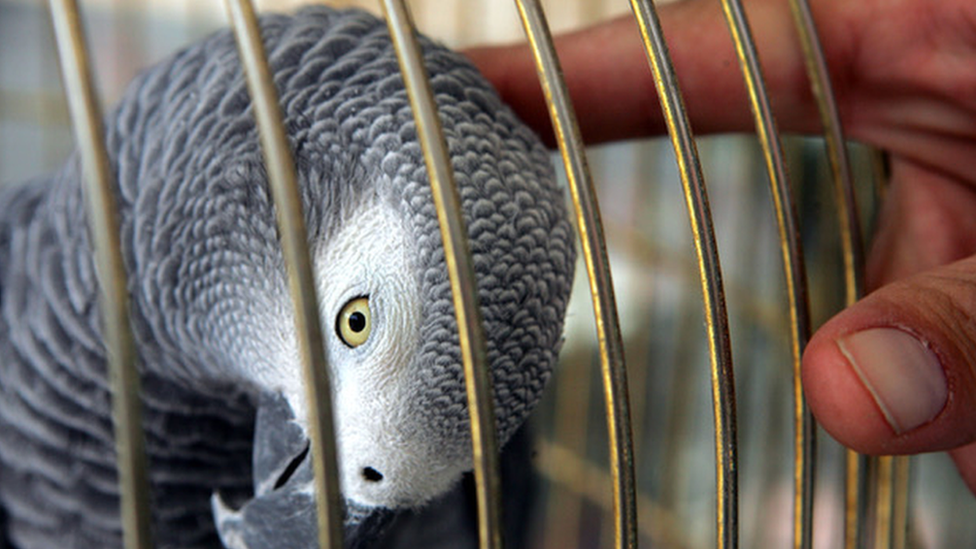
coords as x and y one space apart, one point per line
896 372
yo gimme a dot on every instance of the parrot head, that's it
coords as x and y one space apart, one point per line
210 291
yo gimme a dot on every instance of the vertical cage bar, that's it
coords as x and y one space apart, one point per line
883 499
855 499
855 502
850 226
294 242
713 292
855 515
598 268
103 221
460 269
886 490
793 266
899 516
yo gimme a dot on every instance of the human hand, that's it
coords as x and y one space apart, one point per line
896 372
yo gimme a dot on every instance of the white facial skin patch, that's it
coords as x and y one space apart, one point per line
365 270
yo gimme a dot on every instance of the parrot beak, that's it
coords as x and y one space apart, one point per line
282 511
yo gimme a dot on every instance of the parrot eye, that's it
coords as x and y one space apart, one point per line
354 322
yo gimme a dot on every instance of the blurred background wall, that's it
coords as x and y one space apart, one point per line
655 276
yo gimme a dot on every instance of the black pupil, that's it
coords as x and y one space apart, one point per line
357 322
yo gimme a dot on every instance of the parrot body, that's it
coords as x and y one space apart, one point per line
224 405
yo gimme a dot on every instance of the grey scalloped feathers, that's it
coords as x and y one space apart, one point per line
224 405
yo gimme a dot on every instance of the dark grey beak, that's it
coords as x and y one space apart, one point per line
282 513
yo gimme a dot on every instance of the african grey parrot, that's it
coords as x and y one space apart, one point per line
222 389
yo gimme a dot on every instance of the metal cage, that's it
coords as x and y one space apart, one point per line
584 480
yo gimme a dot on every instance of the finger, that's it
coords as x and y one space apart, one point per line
612 88
927 220
895 372
612 100
965 459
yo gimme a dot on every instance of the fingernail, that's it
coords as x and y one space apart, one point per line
902 374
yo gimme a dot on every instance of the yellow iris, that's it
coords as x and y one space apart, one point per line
354 322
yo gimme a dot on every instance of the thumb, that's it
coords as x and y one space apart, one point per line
893 374
896 372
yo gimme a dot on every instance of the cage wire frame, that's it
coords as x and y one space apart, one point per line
876 488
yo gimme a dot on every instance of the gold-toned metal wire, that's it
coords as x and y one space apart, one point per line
850 227
855 499
460 270
883 492
294 242
103 225
899 516
856 507
713 293
598 268
888 483
856 481
794 268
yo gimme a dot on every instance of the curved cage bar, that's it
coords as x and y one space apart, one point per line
886 488
850 232
710 272
298 264
793 267
461 272
856 487
884 485
817 71
900 498
102 213
593 243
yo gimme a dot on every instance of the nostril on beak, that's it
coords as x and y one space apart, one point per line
372 475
